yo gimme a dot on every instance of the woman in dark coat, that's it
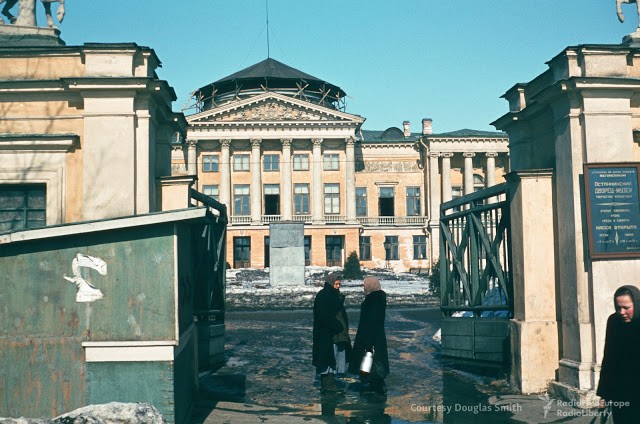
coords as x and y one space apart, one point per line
620 370
371 335
330 332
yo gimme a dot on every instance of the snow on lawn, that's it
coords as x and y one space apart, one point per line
250 289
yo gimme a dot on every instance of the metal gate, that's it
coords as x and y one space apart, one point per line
476 289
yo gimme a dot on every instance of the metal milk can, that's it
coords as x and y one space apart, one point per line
367 362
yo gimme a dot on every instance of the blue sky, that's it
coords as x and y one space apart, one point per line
397 60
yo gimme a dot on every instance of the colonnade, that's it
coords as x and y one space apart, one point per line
286 165
440 189
468 187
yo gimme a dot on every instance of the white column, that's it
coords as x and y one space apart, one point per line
192 167
490 178
225 174
317 205
286 179
350 175
434 207
434 187
468 172
256 182
490 175
446 176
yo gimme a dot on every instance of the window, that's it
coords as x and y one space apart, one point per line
420 247
365 248
386 202
22 206
307 250
332 198
267 253
241 162
271 199
301 199
241 205
330 162
456 193
391 247
271 163
241 252
300 162
334 246
413 201
478 182
211 190
210 163
361 201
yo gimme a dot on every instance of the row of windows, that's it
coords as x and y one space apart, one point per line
211 163
333 249
301 199
391 247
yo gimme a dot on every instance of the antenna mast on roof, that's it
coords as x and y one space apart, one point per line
268 51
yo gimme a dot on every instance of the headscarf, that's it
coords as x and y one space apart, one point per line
332 278
371 284
634 293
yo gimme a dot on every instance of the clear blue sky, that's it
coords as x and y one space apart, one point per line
397 60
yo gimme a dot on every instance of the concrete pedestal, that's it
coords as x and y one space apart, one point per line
29 36
286 253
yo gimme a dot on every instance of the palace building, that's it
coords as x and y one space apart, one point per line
276 144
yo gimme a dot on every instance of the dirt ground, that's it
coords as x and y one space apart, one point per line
268 362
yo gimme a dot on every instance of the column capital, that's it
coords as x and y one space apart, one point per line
192 143
468 154
447 154
350 141
286 142
317 142
491 154
225 142
434 154
255 142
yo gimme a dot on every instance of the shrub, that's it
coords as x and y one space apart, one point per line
352 270
434 279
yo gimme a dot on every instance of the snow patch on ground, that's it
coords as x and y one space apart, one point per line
249 288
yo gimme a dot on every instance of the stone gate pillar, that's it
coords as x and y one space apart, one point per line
582 110
533 329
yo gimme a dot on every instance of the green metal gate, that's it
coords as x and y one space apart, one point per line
475 274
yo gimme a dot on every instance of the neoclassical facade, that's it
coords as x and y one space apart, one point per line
275 144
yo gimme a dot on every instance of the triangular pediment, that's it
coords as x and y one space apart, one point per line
272 107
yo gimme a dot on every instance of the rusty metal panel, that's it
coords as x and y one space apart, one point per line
41 377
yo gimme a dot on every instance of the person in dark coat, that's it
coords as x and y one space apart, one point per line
371 336
620 372
330 333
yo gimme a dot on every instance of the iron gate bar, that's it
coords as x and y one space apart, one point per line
490 249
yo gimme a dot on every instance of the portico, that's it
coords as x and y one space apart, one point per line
461 162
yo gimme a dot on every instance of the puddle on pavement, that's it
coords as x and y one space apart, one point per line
268 362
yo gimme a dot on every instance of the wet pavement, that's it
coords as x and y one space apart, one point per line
268 377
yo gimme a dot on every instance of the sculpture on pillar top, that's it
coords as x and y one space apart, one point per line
619 10
27 12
